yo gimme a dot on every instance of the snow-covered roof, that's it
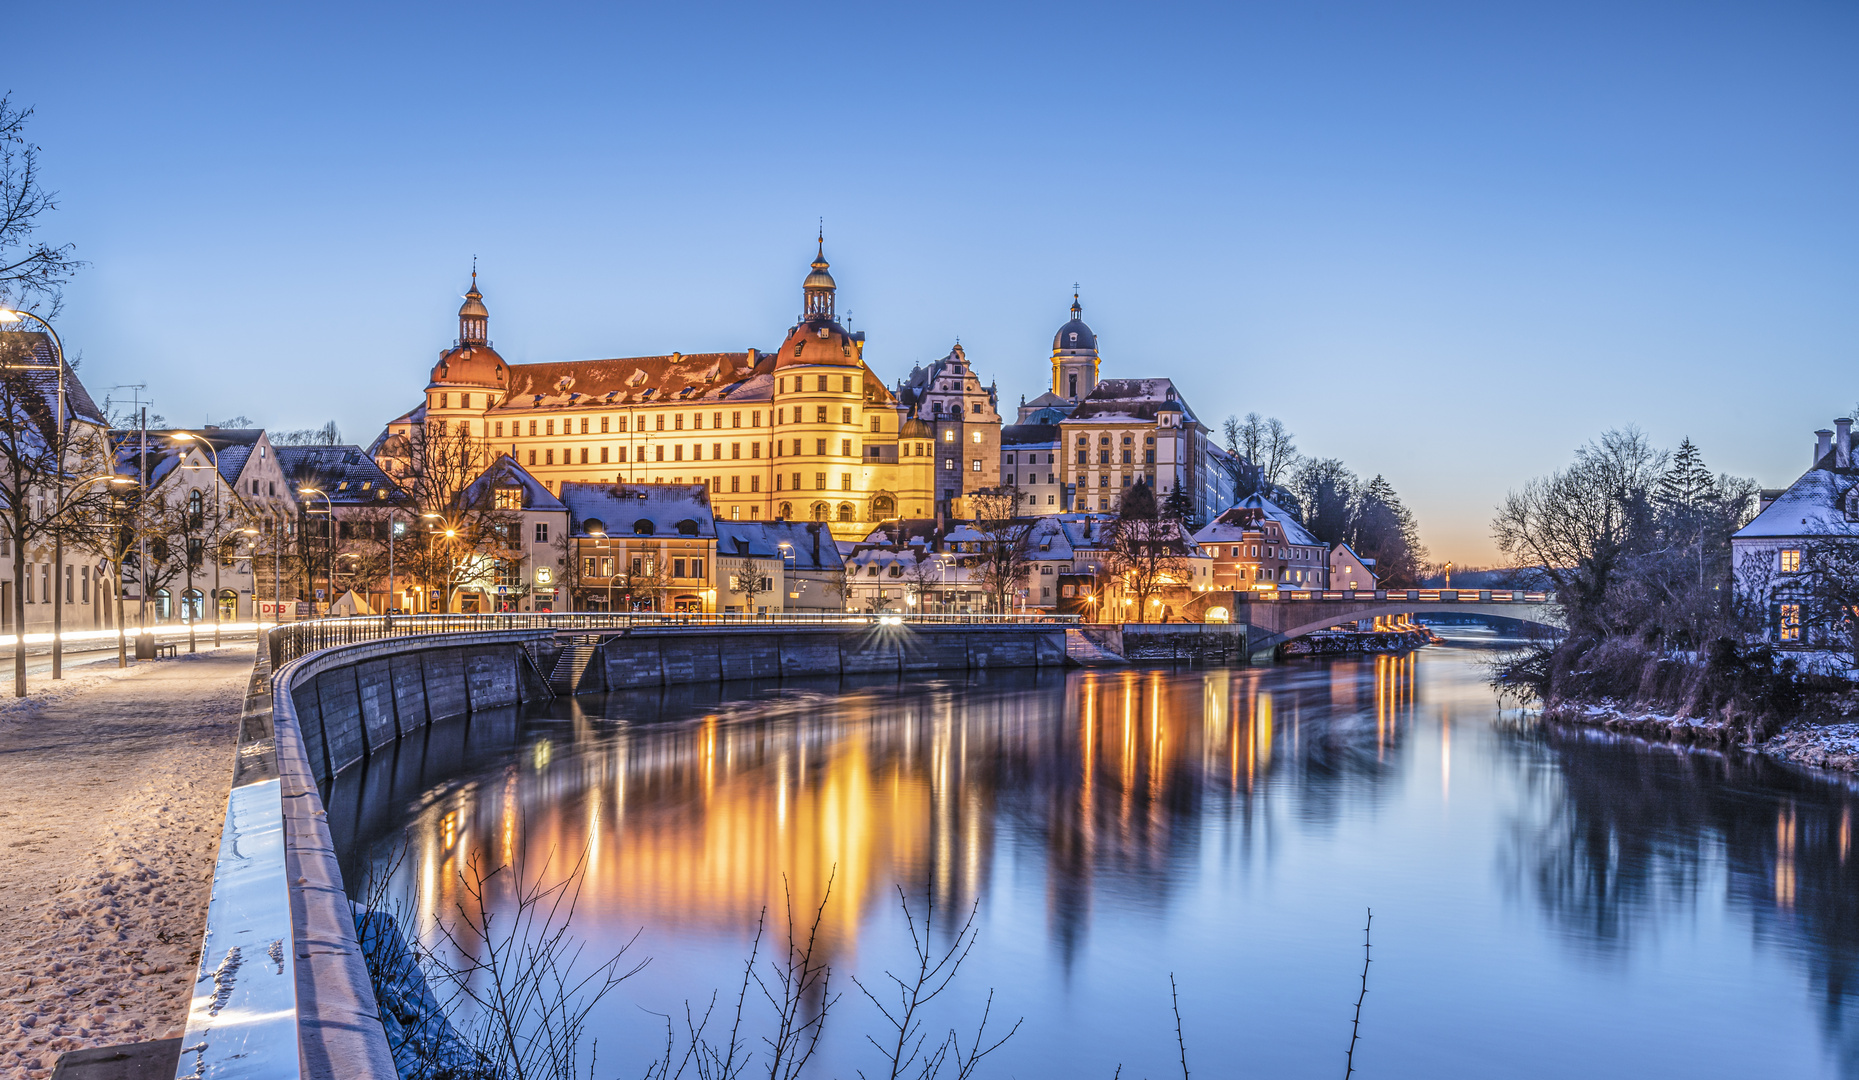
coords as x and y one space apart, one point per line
1231 524
1030 435
1812 505
345 473
505 472
1131 399
638 509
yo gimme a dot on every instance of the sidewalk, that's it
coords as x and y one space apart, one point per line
112 793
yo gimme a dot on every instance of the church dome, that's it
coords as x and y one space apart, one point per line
914 428
1075 336
818 341
471 365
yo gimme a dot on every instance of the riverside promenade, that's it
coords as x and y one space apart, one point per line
112 793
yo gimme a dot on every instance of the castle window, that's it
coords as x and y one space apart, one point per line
548 428
532 457
845 484
716 419
819 447
677 452
845 448
603 424
622 453
819 481
977 465
948 464
735 419
845 415
584 455
819 415
584 425
716 451
735 484
677 422
1790 622
755 449
445 401
755 418
548 457
975 437
500 429
1010 459
697 421
464 401
846 384
735 451
660 456
820 384
948 436
755 483
659 422
1791 561
603 455
875 427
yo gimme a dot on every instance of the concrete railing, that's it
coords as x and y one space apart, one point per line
283 990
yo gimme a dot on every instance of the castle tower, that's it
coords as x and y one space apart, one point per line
1074 358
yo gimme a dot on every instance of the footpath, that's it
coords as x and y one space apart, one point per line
112 792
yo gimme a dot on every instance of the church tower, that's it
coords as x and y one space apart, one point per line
1074 358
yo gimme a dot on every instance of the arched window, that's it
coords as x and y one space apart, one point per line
164 605
786 511
845 512
193 605
195 509
643 527
820 511
883 508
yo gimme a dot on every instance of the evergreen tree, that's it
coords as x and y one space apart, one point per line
1179 507
1686 483
1385 531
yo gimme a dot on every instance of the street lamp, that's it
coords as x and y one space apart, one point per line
330 509
213 454
61 430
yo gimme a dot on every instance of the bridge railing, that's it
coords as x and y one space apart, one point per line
292 640
1424 596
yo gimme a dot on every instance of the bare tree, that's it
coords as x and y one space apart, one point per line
473 526
1266 452
1148 552
1829 589
41 501
745 579
32 272
922 576
1005 558
1575 526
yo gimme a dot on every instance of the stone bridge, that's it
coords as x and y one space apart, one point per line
1278 617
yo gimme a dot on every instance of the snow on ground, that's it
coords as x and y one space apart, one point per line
112 794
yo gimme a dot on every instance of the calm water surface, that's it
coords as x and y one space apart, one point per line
1546 905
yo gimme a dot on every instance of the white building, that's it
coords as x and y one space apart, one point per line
1770 556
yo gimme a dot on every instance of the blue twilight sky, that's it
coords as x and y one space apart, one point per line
1446 243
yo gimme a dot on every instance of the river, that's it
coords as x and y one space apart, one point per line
1546 904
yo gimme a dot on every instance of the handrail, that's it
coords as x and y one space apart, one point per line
292 640
1423 596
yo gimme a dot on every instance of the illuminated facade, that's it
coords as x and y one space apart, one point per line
806 432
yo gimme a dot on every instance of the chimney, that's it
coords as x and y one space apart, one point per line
1823 441
1843 443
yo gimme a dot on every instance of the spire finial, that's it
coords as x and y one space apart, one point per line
1076 309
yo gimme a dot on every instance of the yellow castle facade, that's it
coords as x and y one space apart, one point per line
806 432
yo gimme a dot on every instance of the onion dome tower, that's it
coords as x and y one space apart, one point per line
818 338
1074 357
471 361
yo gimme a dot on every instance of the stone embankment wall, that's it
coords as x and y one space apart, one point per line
1196 642
667 657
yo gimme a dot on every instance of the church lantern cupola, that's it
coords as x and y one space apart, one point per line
473 319
1074 357
817 291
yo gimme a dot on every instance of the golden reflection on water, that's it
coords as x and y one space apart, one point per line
709 823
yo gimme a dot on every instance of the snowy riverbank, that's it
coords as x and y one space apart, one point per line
112 790
1815 743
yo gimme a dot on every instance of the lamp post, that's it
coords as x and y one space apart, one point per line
330 509
446 594
213 455
60 430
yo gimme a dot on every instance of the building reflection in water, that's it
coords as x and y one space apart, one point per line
699 808
711 812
